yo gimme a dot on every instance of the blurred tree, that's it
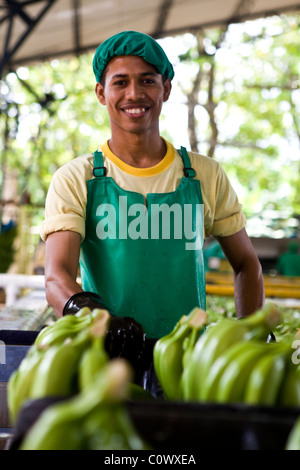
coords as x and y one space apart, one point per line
243 108
58 119
49 114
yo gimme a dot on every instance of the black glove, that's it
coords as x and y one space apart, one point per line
126 338
83 299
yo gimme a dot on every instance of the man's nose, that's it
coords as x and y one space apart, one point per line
134 91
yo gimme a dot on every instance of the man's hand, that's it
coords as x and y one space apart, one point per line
84 299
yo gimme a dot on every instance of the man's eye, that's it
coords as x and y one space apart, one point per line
120 83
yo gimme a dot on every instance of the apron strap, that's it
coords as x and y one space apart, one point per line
188 171
99 169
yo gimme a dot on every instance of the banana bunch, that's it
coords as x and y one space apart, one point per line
67 326
233 363
19 384
54 364
95 419
92 360
217 342
267 376
248 372
173 351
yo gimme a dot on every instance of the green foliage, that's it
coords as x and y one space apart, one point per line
7 238
59 119
256 90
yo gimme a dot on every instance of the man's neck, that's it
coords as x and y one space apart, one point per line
139 151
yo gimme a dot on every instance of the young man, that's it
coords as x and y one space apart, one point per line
135 212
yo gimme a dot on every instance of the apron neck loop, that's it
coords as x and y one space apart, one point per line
99 169
188 171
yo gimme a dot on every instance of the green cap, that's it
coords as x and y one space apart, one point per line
132 43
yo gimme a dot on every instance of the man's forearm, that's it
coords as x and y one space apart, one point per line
59 290
248 290
248 279
61 268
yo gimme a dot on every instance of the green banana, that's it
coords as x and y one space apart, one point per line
51 369
95 355
132 440
197 322
60 427
168 353
218 338
266 378
209 388
137 392
168 363
85 311
110 428
91 362
233 382
68 327
19 384
57 372
58 332
290 390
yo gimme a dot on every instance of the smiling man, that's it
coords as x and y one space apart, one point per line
135 212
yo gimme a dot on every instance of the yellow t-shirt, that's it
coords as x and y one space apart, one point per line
66 199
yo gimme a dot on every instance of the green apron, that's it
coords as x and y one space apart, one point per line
145 258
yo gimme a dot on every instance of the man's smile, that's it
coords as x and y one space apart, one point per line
136 111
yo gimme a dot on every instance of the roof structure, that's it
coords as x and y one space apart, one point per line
36 30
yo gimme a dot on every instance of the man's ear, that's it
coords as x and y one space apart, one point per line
167 89
99 90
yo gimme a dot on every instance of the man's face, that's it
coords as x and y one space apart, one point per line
133 93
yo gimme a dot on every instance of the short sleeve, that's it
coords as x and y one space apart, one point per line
65 207
228 217
223 214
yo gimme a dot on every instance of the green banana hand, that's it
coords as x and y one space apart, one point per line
110 428
49 370
68 327
168 363
218 338
197 320
169 352
57 372
20 382
266 378
93 359
95 355
209 388
264 319
290 390
60 427
233 382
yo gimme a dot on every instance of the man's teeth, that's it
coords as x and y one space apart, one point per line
136 110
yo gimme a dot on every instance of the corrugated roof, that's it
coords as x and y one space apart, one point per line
36 30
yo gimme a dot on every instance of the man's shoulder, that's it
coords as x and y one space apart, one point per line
78 167
203 163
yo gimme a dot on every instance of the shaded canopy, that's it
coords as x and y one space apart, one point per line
36 30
